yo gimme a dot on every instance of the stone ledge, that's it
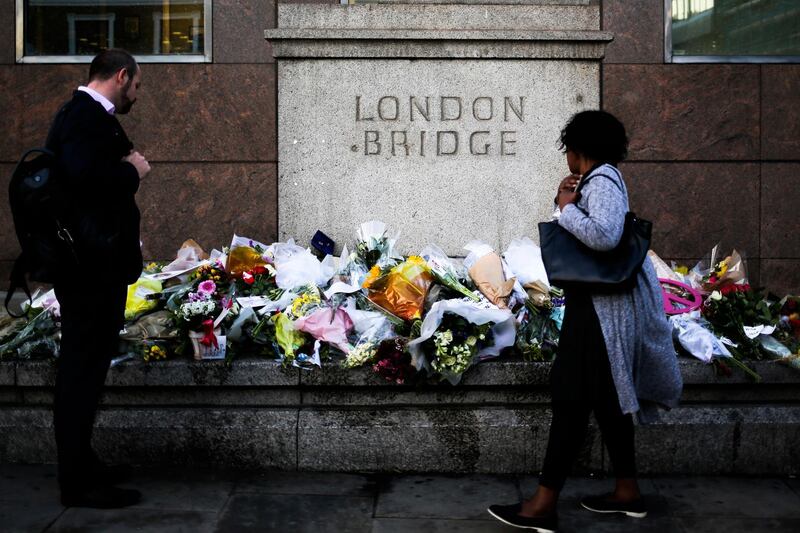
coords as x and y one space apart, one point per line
440 17
256 415
478 44
251 372
689 440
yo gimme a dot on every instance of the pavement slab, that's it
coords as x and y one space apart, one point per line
434 525
199 501
318 483
577 487
181 491
30 516
729 497
730 525
297 513
133 520
28 483
452 497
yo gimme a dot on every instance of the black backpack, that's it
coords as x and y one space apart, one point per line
37 209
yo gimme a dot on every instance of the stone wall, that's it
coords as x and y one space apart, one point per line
256 415
714 153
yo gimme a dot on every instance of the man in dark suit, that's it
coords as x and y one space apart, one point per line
99 173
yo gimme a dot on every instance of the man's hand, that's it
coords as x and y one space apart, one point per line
139 162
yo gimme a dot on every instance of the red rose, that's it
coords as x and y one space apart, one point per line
248 278
260 269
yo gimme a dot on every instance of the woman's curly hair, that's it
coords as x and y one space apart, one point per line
597 135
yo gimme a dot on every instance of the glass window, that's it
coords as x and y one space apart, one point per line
734 29
155 30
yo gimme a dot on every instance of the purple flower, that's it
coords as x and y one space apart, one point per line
207 287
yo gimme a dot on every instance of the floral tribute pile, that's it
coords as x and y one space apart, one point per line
422 317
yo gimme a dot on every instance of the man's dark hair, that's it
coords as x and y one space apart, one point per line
108 62
597 135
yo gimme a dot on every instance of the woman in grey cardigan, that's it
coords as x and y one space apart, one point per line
616 356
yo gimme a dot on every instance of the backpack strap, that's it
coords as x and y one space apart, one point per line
18 281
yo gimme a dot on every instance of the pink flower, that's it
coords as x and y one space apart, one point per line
207 287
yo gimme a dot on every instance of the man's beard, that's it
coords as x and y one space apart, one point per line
126 107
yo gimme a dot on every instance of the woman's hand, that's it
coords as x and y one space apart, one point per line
566 191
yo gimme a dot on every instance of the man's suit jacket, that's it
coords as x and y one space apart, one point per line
99 190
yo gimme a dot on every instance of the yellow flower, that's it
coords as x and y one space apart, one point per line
374 272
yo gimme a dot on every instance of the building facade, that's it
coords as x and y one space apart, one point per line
714 140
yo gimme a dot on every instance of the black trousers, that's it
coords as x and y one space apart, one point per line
90 324
581 383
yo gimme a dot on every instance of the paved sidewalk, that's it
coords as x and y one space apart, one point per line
185 500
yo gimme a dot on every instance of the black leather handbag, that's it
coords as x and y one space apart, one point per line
570 264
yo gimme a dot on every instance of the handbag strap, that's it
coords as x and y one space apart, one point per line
592 176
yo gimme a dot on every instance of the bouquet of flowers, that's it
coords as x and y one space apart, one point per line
789 322
725 271
489 274
244 255
445 271
258 281
154 350
401 289
744 320
456 334
374 247
201 306
201 314
454 346
295 346
393 362
37 334
370 329
539 326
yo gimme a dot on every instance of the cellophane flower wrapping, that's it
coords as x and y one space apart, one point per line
401 290
374 247
296 267
189 257
245 255
695 336
719 271
524 259
446 271
142 297
157 325
289 338
501 329
350 271
370 329
329 325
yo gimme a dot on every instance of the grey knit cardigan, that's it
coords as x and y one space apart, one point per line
638 336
